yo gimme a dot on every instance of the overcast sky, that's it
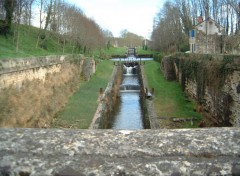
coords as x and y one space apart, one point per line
116 15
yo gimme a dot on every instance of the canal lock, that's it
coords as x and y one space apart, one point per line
123 105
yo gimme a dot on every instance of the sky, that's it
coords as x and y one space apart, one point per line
116 15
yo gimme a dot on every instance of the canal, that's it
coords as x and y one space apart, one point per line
128 113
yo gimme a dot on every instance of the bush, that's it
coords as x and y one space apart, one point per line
4 28
158 57
184 47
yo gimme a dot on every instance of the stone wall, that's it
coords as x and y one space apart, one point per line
33 90
168 66
88 68
59 152
213 81
107 100
150 117
208 44
222 105
232 86
14 72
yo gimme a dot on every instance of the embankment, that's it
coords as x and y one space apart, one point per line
212 80
150 119
107 100
33 90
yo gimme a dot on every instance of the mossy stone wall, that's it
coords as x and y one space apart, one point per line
213 81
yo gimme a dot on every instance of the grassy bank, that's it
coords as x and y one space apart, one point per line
27 44
81 106
169 100
115 51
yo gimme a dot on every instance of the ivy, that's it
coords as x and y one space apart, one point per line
177 62
209 71
190 68
205 71
228 59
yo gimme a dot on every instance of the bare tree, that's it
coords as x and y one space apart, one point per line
41 4
235 5
184 9
82 33
67 22
29 7
9 6
19 9
174 20
27 12
169 33
49 14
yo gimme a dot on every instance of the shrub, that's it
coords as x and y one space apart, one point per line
158 57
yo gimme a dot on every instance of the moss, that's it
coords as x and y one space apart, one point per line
190 68
226 112
228 59
208 71
76 59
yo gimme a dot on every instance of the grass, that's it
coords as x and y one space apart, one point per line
141 51
169 100
115 50
79 111
27 44
120 51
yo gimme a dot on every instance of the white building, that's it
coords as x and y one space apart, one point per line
206 37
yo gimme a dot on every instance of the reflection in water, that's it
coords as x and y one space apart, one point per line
129 114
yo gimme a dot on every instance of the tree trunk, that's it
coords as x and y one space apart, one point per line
238 20
40 20
17 39
64 45
19 14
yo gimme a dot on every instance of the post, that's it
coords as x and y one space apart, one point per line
101 91
152 90
146 92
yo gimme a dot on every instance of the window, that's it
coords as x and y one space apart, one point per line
192 33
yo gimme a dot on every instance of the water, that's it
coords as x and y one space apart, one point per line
128 114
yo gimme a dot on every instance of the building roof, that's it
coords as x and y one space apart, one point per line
214 28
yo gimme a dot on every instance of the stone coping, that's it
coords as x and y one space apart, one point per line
35 152
18 64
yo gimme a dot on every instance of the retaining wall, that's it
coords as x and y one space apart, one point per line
13 72
212 80
151 119
33 90
107 100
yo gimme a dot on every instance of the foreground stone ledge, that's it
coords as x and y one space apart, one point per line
214 151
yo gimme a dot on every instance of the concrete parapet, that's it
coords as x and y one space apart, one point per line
35 152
